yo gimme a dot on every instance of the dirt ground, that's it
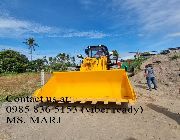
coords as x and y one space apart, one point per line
157 114
159 120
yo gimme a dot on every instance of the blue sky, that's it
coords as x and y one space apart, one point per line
71 25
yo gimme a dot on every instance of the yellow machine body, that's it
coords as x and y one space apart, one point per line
92 83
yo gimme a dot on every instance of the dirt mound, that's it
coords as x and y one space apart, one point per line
167 72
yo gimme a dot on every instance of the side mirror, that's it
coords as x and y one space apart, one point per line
80 56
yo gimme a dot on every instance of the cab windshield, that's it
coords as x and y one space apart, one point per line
96 52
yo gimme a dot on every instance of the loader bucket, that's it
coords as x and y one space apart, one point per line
106 86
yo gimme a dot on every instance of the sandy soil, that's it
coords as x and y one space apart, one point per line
157 117
159 120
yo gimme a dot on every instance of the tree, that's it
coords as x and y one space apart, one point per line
12 61
30 42
63 61
73 61
36 65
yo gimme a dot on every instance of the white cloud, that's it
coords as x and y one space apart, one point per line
13 23
13 28
177 34
151 16
88 34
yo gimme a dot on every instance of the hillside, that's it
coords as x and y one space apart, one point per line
167 72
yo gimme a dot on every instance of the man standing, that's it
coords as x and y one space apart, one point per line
150 77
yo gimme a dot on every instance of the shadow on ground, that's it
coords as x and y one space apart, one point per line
131 138
160 109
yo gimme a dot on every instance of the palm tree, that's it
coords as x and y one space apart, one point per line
30 42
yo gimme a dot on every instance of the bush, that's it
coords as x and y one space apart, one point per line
175 57
36 65
138 62
12 61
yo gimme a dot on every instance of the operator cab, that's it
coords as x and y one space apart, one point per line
96 51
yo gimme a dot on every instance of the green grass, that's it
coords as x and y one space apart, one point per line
8 74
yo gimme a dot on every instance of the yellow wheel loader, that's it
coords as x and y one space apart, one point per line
95 81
